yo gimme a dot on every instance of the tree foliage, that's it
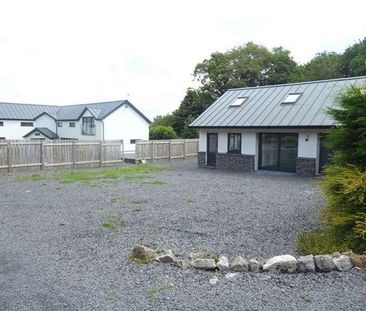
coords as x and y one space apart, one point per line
162 132
253 65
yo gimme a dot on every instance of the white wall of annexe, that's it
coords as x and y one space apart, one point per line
308 141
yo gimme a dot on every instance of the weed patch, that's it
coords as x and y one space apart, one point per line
33 177
154 293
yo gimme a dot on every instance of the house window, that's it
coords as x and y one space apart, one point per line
133 141
2 138
88 126
72 124
234 143
238 101
1 123
59 124
28 124
291 98
37 134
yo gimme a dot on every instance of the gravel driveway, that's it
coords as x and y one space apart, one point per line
67 246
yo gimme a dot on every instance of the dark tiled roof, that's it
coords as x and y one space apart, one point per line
43 130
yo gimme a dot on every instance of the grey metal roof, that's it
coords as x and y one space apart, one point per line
9 111
45 131
264 107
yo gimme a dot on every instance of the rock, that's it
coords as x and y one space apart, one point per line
335 254
199 255
324 263
167 257
230 275
254 265
184 264
305 264
342 263
239 264
223 263
284 263
141 252
358 261
214 280
206 264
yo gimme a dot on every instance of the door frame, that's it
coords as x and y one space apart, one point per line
208 146
278 150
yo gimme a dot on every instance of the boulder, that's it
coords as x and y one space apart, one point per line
167 257
284 263
205 264
141 252
184 264
342 263
223 263
199 255
254 265
324 263
239 264
358 261
305 264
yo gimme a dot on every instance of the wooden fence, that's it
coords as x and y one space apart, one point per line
54 153
166 149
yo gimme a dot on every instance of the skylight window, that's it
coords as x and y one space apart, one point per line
238 102
291 98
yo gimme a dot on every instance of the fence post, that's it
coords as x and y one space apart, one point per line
100 154
184 149
73 154
170 150
152 152
41 155
123 150
8 156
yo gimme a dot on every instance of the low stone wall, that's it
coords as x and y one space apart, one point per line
201 159
283 263
235 162
306 166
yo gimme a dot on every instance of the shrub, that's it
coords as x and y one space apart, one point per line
162 132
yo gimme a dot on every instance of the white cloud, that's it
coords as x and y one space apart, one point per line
65 52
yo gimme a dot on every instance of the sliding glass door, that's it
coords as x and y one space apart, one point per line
278 152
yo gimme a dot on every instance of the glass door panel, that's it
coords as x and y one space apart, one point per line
269 152
288 152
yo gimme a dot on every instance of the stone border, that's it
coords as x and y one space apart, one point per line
282 263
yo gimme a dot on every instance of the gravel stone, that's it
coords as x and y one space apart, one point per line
142 252
55 254
254 265
168 257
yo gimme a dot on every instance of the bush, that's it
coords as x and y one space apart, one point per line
162 132
344 217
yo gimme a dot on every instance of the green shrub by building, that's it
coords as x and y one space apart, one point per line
344 217
162 132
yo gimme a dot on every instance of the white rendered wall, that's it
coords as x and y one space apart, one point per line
202 143
13 130
76 132
308 145
46 121
125 123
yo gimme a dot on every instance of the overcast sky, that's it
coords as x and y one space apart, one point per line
72 52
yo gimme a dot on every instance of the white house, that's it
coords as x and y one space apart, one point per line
276 127
98 121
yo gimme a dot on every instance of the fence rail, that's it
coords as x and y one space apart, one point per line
166 149
54 153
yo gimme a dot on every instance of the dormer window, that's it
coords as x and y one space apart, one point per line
238 102
291 98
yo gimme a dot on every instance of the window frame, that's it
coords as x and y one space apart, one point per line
74 124
1 123
26 124
234 151
239 101
60 124
286 102
91 127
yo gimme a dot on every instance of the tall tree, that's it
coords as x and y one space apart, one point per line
354 59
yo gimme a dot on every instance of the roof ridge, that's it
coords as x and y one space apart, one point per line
38 105
297 83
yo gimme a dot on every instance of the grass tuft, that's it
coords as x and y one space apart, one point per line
154 293
33 177
318 242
